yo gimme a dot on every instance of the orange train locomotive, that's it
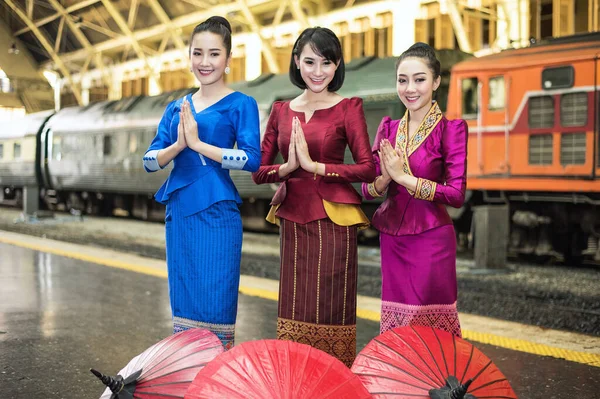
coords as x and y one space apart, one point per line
533 141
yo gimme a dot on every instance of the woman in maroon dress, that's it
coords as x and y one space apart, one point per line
316 207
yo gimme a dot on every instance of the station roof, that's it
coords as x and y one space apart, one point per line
74 35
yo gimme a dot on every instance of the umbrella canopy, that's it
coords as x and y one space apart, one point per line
166 369
275 369
409 362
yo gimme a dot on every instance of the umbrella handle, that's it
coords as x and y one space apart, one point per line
115 385
460 391
452 390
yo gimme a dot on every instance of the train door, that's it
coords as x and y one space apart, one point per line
45 157
596 116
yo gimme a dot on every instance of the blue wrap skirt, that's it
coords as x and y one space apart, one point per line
203 262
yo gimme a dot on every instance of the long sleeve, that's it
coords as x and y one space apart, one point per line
454 152
358 141
368 188
247 134
161 140
267 172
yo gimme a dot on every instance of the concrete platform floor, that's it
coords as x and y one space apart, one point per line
59 316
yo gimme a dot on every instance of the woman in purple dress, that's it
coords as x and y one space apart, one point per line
421 164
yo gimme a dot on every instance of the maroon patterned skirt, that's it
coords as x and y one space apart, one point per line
317 290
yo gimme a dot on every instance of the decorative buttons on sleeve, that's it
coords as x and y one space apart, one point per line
333 174
151 162
272 172
234 159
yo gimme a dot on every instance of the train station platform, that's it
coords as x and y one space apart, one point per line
67 307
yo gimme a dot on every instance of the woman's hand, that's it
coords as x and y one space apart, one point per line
393 161
190 127
292 161
385 175
181 143
302 153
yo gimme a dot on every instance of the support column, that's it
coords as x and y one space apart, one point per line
115 89
403 26
31 200
490 231
85 90
253 53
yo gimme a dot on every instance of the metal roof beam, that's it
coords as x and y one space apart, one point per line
120 21
133 10
298 13
44 21
78 34
48 47
280 11
164 18
198 3
268 50
59 34
161 29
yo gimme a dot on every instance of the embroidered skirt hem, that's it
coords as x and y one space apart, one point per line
338 341
443 317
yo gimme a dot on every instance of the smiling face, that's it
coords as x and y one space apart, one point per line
208 57
316 71
415 84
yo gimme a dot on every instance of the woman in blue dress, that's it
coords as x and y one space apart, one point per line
203 222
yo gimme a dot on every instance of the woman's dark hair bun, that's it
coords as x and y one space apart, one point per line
220 20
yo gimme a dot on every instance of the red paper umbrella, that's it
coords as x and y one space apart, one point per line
422 362
166 369
274 369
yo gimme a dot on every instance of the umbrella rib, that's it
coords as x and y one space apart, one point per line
399 394
487 384
454 344
393 379
162 395
166 349
467 365
430 354
441 349
152 372
411 363
399 369
481 371
439 381
496 397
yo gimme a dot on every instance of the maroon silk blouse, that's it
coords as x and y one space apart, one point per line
327 134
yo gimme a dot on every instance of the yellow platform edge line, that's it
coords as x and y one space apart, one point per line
589 359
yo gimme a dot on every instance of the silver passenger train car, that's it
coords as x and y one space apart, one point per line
89 158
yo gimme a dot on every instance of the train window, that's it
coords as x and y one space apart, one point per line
57 148
541 112
572 148
557 78
17 151
574 109
497 93
133 142
470 98
540 149
1 151
107 145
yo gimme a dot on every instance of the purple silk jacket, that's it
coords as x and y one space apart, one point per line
437 155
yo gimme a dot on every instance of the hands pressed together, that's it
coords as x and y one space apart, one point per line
391 161
298 155
187 130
